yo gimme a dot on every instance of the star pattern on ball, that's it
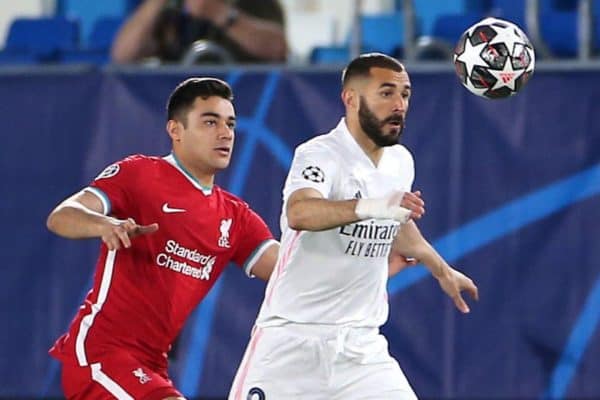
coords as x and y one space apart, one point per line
505 35
467 56
507 76
314 174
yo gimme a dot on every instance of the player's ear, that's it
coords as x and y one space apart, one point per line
174 129
350 97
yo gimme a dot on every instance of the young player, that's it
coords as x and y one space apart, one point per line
167 234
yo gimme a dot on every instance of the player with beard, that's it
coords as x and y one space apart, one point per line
347 224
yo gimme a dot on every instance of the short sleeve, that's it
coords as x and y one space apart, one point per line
313 167
255 236
408 167
113 185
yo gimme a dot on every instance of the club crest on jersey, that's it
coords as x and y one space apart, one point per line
314 174
141 375
109 171
224 228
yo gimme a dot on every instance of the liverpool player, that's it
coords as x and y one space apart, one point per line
167 234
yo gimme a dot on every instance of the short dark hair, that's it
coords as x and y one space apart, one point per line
183 96
361 65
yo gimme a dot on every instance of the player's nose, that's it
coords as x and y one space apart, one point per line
400 105
225 132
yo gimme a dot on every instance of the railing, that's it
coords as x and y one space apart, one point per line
412 51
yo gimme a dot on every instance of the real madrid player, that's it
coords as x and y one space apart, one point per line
346 226
167 234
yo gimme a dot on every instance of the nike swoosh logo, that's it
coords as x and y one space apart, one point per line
168 209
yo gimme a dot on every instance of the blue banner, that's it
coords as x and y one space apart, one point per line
512 199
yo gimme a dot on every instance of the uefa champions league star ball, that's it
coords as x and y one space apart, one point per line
494 58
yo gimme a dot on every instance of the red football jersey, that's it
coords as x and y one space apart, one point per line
142 295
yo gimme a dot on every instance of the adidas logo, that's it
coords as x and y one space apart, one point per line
507 76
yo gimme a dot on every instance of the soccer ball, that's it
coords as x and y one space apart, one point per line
494 58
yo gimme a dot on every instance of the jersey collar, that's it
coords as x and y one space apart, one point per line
172 159
343 132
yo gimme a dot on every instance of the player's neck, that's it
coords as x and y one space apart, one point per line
373 151
206 179
204 176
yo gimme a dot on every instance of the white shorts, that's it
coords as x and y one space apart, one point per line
317 362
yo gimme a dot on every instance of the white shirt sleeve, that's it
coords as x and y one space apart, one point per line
313 167
410 168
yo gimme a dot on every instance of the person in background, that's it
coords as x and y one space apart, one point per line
249 31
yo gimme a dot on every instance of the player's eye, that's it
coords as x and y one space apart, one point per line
231 125
387 93
406 95
210 122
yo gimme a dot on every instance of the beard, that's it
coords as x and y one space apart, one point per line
373 126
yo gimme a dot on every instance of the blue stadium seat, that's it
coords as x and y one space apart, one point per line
98 47
15 57
383 32
104 32
380 32
563 5
88 12
477 5
330 55
39 39
448 28
559 32
510 10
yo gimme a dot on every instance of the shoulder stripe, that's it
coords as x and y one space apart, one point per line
103 198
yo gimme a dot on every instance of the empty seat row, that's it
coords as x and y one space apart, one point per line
57 39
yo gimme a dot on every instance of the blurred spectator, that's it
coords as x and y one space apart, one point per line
249 30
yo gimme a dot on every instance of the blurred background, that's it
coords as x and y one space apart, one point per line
511 185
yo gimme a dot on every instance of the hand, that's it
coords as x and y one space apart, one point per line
453 283
213 10
118 233
397 262
414 203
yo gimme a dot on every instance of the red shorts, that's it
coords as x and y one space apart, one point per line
116 376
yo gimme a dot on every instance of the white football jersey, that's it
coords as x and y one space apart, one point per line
337 276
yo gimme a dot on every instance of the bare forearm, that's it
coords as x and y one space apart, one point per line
410 243
262 39
316 214
134 39
74 221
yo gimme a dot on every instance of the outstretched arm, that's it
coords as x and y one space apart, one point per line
410 243
307 209
80 216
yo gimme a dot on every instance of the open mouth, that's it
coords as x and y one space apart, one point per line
224 151
395 122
